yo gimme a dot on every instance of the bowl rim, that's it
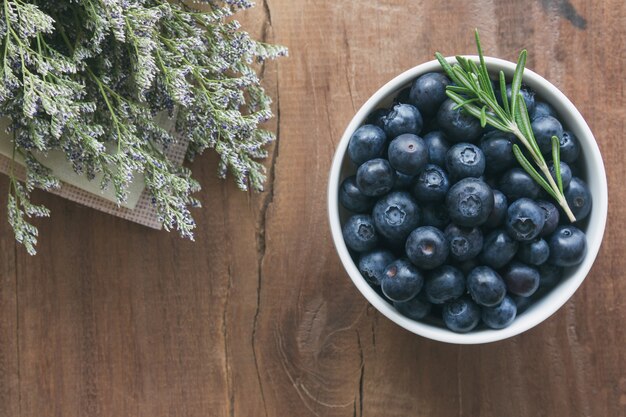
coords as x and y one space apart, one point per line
552 301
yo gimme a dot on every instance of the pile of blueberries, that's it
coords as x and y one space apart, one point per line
445 223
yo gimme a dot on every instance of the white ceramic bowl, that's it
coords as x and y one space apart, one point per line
546 306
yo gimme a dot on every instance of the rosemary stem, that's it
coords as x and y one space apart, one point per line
543 167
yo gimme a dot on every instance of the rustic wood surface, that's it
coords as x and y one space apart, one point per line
257 317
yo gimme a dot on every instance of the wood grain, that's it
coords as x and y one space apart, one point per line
257 316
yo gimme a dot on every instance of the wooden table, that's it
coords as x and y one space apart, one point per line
257 317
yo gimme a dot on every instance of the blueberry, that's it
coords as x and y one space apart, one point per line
527 93
521 279
498 214
458 125
516 183
408 154
578 198
485 286
524 219
566 173
402 118
427 247
500 316
465 160
465 243
403 181
497 147
416 308
372 265
401 280
396 215
469 202
543 109
352 198
375 177
550 215
367 142
568 246
377 117
544 128
437 147
444 284
432 184
549 275
461 315
498 249
359 233
570 148
428 92
535 252
435 215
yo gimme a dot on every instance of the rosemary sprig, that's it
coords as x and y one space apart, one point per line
473 91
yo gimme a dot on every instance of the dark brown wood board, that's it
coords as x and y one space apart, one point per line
257 317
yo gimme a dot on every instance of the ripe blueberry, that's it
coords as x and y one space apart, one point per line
396 215
497 147
461 315
444 284
401 280
408 154
375 177
432 184
544 128
427 247
465 160
367 142
469 202
402 118
524 220
458 125
465 243
359 233
521 279
485 286
428 92
516 183
568 246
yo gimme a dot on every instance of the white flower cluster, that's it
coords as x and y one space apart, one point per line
88 76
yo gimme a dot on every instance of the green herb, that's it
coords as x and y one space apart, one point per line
475 94
88 77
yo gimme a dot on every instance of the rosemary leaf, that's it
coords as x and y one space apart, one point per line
519 155
505 99
516 85
556 160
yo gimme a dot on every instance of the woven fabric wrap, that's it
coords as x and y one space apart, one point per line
144 213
